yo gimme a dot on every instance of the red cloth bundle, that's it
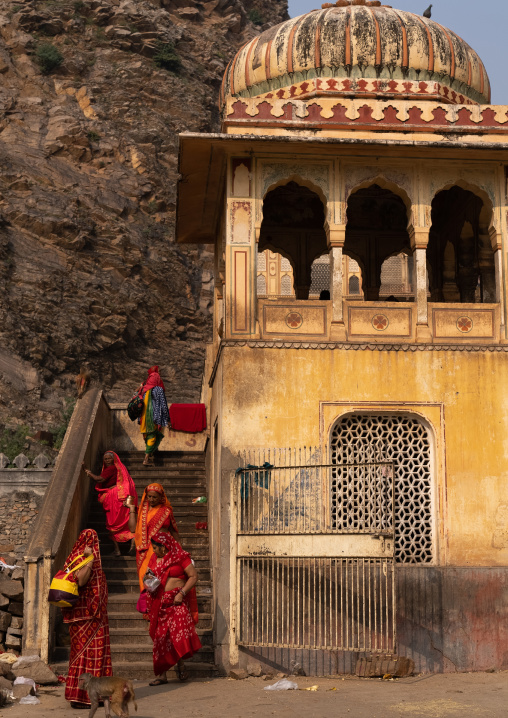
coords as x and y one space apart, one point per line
188 417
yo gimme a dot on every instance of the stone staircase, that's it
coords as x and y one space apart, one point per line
182 474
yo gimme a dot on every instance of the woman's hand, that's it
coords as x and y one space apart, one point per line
178 599
88 551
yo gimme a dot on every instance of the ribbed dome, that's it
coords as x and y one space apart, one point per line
361 46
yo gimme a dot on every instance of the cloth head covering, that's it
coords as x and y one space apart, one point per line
123 478
93 597
154 379
141 536
175 553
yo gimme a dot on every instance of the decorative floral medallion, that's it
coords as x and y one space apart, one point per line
294 320
464 324
380 322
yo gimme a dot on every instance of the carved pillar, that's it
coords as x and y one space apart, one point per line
497 246
419 237
240 255
336 236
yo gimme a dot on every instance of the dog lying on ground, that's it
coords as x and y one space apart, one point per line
113 690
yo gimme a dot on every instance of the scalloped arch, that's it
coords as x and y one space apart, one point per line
385 183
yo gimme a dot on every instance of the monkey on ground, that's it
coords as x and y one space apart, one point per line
110 689
82 382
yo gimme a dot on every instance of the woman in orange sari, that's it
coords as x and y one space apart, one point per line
88 620
155 514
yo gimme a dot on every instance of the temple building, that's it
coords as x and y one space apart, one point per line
357 379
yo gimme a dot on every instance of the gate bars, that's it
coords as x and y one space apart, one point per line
296 591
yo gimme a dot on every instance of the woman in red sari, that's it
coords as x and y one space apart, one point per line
155 514
114 485
88 620
172 608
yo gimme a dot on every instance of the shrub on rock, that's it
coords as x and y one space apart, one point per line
48 57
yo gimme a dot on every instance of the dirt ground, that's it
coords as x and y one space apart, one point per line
463 695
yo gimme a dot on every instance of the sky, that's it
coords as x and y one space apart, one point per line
483 24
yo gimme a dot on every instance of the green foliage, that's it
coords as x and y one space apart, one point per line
59 430
48 57
12 441
166 57
255 17
93 136
152 207
79 5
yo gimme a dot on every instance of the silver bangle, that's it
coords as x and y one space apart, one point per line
182 592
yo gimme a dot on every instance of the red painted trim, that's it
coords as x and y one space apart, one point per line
253 44
431 44
378 38
317 41
267 60
452 51
348 37
290 45
405 49
232 73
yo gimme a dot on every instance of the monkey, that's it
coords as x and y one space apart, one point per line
118 691
82 382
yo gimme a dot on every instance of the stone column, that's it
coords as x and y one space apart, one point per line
497 246
336 235
240 255
419 237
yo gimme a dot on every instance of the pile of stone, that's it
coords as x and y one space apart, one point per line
11 607
20 676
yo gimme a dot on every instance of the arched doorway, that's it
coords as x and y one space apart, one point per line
293 225
459 253
376 229
404 440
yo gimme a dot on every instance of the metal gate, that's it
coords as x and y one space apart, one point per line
313 554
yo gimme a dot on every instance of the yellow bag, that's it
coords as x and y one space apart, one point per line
65 593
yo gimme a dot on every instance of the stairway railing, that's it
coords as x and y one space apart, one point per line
62 516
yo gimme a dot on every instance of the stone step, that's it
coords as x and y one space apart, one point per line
137 652
166 456
128 562
132 619
131 574
203 588
126 601
120 636
143 670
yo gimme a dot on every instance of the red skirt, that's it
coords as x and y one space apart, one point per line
117 515
90 653
174 636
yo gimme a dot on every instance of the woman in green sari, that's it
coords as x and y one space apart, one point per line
155 414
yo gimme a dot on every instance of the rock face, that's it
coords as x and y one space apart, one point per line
88 171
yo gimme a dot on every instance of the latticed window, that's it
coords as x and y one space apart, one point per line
403 440
261 285
261 261
320 274
286 285
354 285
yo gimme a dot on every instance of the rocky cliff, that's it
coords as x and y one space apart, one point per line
93 94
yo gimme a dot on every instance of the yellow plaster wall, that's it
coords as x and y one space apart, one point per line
291 397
